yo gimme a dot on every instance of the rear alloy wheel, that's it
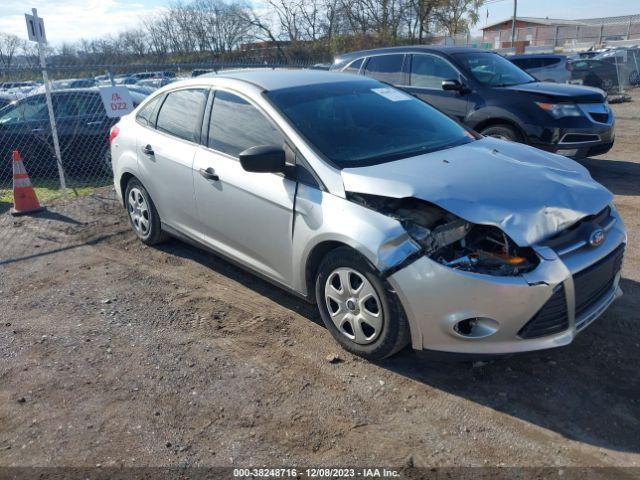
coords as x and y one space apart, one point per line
142 212
358 307
503 132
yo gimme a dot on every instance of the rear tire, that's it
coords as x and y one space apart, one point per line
503 132
359 307
143 215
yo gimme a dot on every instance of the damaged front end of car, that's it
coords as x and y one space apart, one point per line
451 240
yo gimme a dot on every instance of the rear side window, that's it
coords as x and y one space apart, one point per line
354 67
547 62
237 125
386 68
181 114
145 115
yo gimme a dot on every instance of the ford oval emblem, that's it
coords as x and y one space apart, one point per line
596 238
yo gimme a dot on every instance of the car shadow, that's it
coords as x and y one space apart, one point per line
619 176
588 391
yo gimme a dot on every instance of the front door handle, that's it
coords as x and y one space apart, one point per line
148 150
37 130
94 124
209 174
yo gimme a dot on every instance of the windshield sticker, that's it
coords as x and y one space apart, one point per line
391 94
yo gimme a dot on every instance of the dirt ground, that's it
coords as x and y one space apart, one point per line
117 354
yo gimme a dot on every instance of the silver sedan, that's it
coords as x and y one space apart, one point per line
403 226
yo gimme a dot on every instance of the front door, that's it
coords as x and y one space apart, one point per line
426 74
246 216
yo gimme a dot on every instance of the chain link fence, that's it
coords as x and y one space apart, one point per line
82 125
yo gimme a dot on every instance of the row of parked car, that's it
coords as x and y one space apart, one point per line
606 69
480 89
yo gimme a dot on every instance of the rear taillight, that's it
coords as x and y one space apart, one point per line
113 133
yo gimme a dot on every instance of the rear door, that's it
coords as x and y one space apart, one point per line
387 68
166 152
246 216
426 74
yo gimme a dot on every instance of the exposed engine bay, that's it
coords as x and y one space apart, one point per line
451 240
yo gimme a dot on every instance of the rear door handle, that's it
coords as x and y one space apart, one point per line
94 124
37 130
209 174
148 150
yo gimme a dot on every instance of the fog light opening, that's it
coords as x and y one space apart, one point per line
477 327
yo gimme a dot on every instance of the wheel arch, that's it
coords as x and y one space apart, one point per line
495 121
313 261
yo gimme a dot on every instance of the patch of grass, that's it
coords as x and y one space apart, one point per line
49 190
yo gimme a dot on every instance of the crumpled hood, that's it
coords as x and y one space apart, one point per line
527 193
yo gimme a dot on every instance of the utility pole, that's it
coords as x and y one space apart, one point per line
513 23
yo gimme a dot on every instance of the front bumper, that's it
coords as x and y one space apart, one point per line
576 137
435 298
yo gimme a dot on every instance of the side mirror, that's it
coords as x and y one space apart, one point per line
451 85
263 159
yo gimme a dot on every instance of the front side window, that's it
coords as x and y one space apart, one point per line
181 114
493 70
354 67
237 125
29 110
366 122
429 71
386 68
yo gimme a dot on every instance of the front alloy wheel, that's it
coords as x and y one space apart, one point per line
359 307
353 305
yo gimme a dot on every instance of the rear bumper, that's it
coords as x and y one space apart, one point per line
436 298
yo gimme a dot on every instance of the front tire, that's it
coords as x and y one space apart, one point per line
503 132
358 306
143 215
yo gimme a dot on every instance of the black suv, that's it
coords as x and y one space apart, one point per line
491 95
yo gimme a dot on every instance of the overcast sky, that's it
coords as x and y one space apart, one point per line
70 20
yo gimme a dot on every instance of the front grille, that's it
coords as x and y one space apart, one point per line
551 318
596 281
577 235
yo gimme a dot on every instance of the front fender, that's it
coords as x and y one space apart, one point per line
322 217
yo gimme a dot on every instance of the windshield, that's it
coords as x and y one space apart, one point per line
362 123
493 70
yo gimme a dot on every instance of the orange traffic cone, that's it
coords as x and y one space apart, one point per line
24 196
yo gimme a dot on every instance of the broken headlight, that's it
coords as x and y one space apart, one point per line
451 240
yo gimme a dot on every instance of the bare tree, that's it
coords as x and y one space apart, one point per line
9 46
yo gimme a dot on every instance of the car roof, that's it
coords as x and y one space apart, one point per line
537 55
277 79
409 49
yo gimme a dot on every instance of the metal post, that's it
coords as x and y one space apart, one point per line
601 32
513 23
52 118
628 29
111 79
555 38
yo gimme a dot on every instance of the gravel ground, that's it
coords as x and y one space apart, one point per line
117 354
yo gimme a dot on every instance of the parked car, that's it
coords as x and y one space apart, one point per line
11 85
594 73
200 71
402 225
488 93
544 67
82 125
155 83
6 99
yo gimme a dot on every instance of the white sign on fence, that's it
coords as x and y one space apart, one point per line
117 101
35 28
